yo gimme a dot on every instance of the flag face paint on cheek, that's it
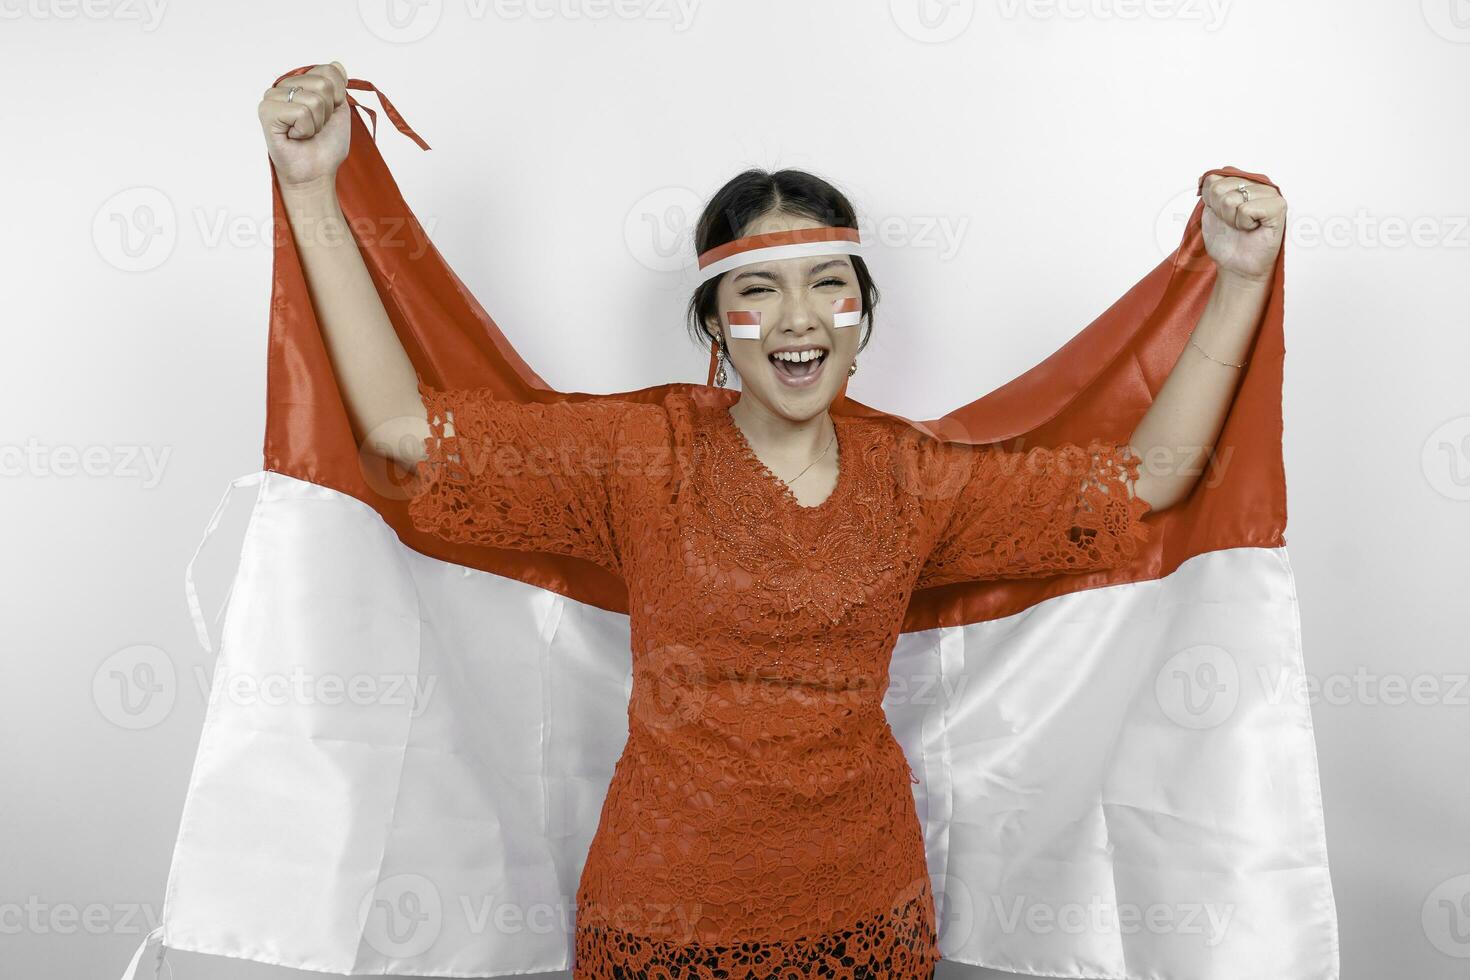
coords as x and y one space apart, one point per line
744 324
847 312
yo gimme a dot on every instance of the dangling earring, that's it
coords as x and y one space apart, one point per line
720 377
852 370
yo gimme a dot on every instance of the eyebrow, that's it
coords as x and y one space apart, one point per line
772 276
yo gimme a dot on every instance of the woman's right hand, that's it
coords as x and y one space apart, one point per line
308 136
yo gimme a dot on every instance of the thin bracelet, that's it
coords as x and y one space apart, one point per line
1216 359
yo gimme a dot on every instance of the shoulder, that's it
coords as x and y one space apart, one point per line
920 476
639 418
923 465
655 419
647 441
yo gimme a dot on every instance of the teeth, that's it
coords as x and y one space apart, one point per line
798 356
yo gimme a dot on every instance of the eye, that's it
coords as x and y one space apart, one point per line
829 281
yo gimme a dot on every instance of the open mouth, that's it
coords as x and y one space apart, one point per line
799 372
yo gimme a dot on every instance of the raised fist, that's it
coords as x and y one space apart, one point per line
308 132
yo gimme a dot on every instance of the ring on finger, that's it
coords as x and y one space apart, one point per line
291 93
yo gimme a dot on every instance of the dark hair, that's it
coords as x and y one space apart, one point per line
753 194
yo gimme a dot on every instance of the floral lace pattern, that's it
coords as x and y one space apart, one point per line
1041 512
889 944
761 821
536 478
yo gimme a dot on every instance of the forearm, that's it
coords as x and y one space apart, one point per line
376 377
1176 437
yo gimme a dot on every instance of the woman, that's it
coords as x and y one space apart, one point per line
759 821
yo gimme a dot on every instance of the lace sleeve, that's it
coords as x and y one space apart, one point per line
528 476
1038 513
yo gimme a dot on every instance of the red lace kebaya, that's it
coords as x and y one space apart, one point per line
760 821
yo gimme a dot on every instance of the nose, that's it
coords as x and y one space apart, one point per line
798 316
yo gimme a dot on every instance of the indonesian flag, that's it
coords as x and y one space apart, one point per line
1111 779
744 324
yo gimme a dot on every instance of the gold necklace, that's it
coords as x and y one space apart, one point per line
819 456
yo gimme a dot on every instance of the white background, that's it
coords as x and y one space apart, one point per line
999 148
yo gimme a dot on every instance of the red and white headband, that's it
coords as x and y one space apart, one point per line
776 245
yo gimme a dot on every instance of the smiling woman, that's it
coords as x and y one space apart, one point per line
772 835
782 289
759 821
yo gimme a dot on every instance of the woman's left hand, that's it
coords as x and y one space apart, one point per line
1242 236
